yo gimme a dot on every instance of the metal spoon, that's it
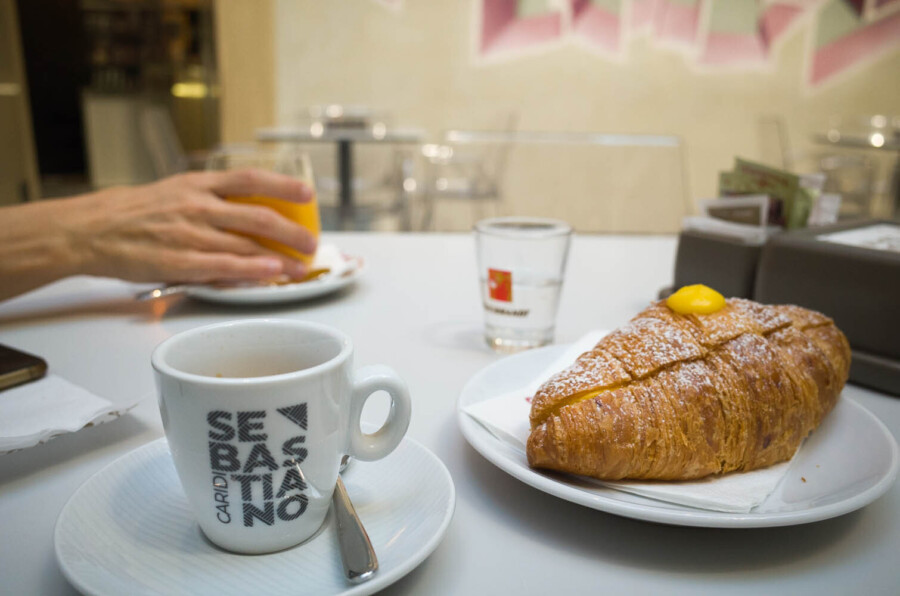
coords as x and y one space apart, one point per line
172 289
357 553
160 292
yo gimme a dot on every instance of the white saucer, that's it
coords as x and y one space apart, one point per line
848 462
128 530
276 294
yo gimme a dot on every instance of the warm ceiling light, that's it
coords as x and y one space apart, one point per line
9 89
190 90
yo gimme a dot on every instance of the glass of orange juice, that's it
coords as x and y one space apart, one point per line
289 161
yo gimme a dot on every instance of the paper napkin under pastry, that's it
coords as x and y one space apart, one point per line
40 410
328 256
506 417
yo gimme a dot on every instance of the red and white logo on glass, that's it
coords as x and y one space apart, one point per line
500 285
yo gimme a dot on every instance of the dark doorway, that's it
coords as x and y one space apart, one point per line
107 81
56 70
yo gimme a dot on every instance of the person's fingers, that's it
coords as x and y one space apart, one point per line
218 241
202 267
258 220
211 239
249 182
206 238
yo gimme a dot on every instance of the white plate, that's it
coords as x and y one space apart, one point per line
276 294
128 530
848 462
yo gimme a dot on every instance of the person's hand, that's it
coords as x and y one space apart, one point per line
181 230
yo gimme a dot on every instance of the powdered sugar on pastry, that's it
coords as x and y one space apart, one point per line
671 396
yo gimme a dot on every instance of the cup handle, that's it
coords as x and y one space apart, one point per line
366 381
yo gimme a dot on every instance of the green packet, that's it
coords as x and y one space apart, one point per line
801 208
784 187
739 183
735 183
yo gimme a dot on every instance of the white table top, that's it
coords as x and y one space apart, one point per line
416 308
294 134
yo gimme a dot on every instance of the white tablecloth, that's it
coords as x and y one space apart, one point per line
416 308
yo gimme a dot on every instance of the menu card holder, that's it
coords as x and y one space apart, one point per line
850 272
726 264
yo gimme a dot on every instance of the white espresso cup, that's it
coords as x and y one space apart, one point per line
258 414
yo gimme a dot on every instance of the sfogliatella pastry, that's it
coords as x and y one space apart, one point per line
692 386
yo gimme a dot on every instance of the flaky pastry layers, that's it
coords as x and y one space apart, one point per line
675 397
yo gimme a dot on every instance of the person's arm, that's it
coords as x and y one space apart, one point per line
176 230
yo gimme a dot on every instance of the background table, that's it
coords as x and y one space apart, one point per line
417 309
344 138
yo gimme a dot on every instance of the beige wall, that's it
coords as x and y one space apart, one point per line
418 61
246 49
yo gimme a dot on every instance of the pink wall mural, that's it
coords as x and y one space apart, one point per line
713 34
598 24
845 37
505 28
677 21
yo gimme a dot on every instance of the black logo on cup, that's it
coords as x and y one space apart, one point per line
259 473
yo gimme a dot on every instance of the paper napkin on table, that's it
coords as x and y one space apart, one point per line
40 410
506 417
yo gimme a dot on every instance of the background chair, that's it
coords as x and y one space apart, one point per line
858 155
467 166
167 154
628 183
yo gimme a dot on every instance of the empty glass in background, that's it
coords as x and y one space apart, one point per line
288 161
521 265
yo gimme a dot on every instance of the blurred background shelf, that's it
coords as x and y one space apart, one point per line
127 91
109 64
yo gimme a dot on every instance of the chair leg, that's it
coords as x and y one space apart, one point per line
405 173
427 212
403 211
